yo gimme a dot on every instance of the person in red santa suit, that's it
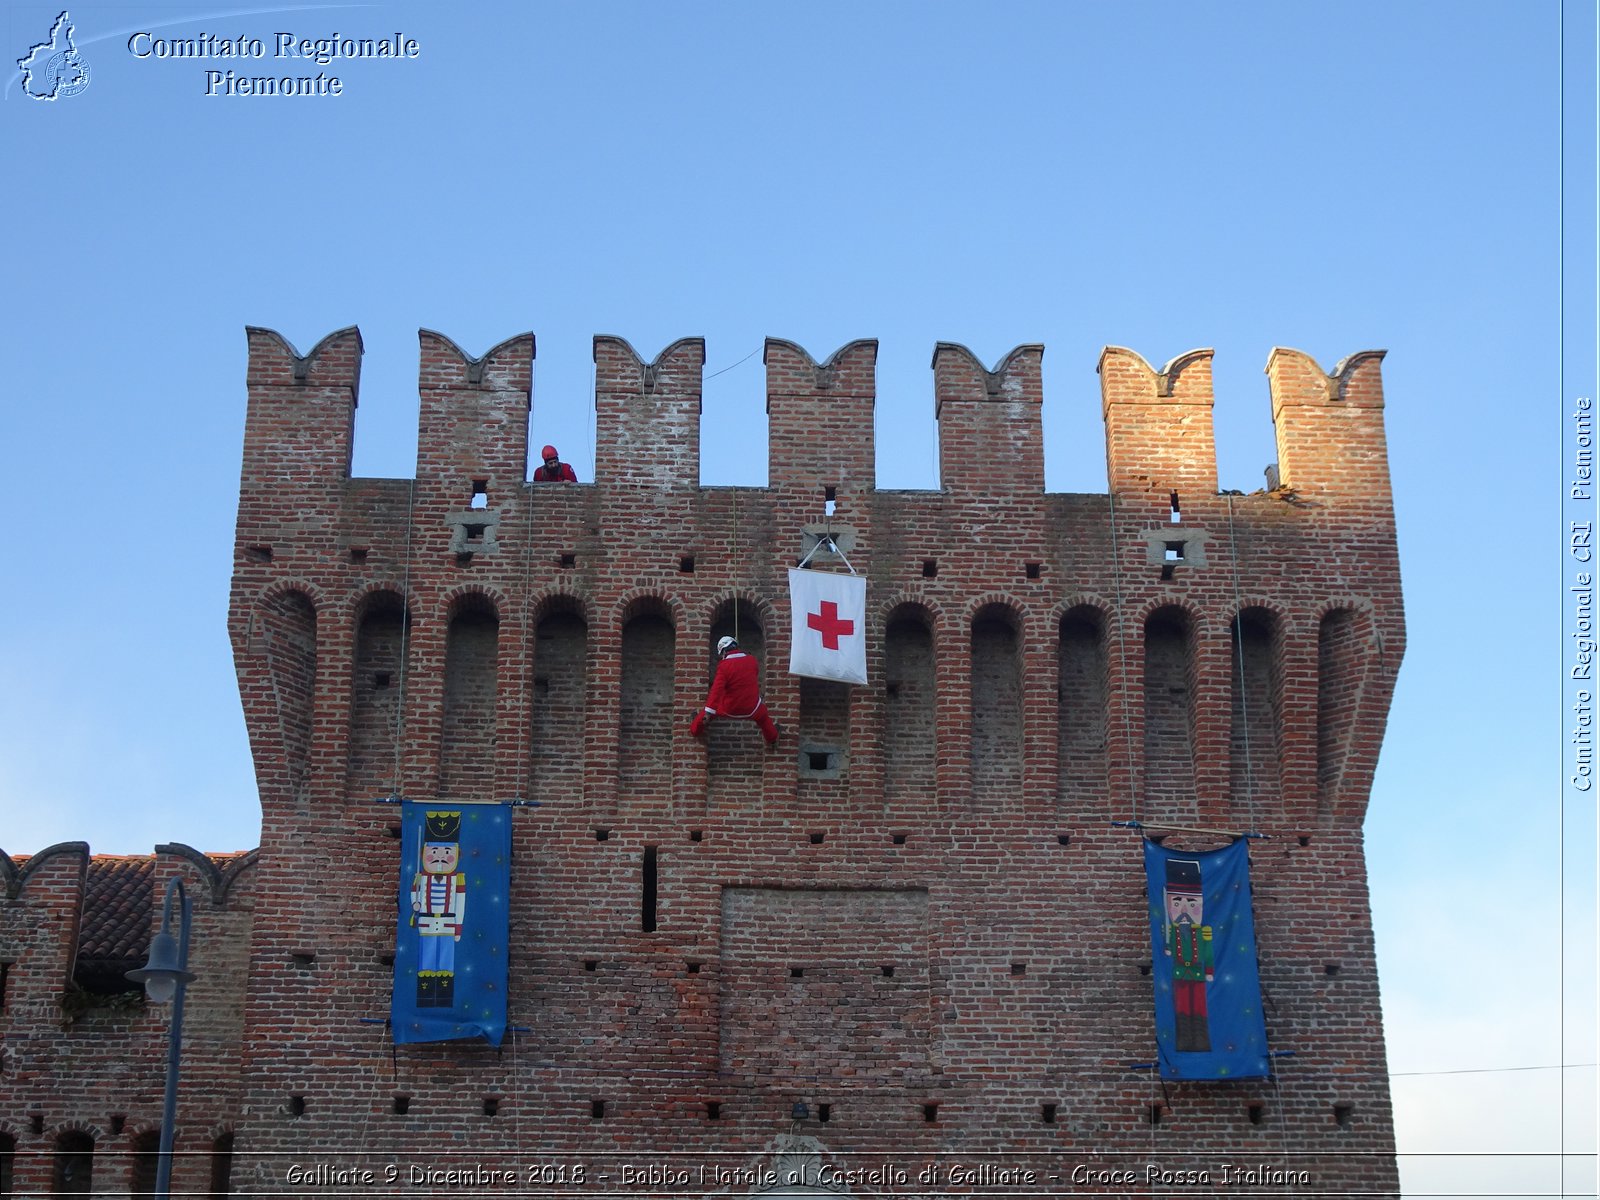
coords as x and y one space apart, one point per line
735 693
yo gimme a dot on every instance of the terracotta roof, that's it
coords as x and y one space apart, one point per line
117 906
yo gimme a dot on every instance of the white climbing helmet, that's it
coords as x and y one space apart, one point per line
724 644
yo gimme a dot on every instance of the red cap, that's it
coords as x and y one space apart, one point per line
549 452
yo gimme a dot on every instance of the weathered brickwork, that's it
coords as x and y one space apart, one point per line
914 917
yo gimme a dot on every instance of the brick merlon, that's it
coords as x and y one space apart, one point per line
445 364
15 878
1126 377
959 375
848 371
619 367
332 362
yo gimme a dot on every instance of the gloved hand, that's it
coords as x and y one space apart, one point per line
698 725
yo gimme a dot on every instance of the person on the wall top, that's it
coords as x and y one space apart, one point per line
735 693
554 470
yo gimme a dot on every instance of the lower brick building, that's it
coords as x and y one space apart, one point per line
907 952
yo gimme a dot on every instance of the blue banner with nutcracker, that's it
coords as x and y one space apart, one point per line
1209 1023
450 941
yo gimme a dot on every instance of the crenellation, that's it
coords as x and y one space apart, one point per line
1159 435
1330 427
647 415
991 439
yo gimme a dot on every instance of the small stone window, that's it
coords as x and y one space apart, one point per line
821 762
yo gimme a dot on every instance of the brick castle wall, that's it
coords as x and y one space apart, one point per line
916 913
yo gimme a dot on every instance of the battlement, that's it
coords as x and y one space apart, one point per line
474 417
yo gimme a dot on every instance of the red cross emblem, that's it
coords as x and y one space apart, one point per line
828 624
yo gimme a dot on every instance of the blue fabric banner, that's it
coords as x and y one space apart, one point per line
450 939
1209 1023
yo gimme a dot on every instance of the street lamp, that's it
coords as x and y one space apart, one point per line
165 977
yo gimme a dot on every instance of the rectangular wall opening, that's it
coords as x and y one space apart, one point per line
648 893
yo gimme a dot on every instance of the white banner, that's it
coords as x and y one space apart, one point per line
829 612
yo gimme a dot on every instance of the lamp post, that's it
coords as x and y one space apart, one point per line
165 977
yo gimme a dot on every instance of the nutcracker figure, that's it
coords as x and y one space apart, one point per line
438 908
1188 945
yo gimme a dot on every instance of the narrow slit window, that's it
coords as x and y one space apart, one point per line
1174 552
480 493
647 900
930 568
402 1105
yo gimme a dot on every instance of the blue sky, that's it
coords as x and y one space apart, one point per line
1331 177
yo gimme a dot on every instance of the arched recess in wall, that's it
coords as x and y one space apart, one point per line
1342 639
146 1157
910 712
72 1168
1081 715
222 1164
382 631
1255 749
996 704
560 689
471 663
646 722
734 750
1169 776
286 628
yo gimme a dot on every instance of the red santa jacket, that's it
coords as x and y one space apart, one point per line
736 691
